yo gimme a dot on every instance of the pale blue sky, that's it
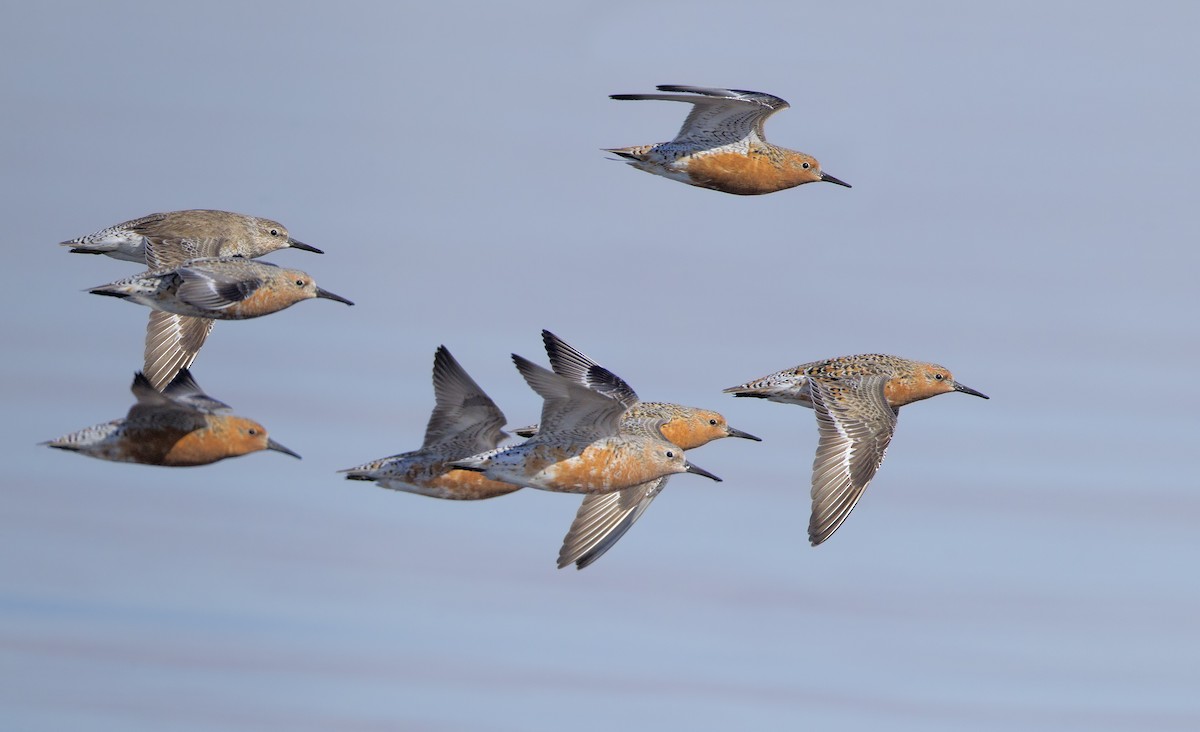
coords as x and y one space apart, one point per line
1022 212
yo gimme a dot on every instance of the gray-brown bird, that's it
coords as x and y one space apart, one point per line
857 400
195 233
167 240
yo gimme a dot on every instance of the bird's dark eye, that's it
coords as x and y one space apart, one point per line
252 431
939 377
300 283
712 422
806 166
670 454
274 232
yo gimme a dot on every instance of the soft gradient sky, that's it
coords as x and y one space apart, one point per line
1023 212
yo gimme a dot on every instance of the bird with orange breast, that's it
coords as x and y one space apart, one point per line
722 145
857 400
180 426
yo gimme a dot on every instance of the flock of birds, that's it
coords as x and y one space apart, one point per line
595 437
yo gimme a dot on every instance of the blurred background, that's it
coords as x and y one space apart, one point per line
1023 212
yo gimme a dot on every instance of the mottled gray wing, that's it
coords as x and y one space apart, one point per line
193 225
214 288
569 407
148 225
719 116
172 342
154 408
575 365
603 519
171 252
463 416
855 425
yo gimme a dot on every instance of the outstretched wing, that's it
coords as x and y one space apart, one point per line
855 424
603 519
569 407
172 342
565 360
719 116
464 416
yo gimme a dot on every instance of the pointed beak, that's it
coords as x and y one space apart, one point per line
273 445
969 390
689 468
330 296
301 245
743 435
830 179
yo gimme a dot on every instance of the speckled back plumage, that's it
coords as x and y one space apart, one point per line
857 401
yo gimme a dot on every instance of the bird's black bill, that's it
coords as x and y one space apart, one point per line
330 296
273 445
301 245
830 179
744 435
969 390
700 471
